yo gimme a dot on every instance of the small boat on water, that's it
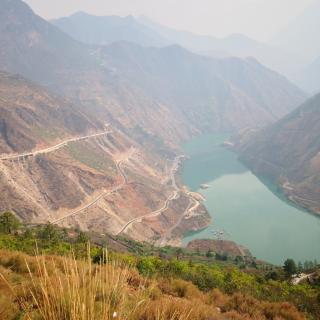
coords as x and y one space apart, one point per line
228 144
204 186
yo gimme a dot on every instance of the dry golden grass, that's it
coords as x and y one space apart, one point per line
75 290
61 288
66 289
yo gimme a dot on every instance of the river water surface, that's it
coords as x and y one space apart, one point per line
244 208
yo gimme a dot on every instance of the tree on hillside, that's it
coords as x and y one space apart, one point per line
9 223
49 233
82 237
179 253
210 254
290 267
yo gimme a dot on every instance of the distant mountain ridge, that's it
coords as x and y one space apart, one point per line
238 45
103 30
216 88
170 83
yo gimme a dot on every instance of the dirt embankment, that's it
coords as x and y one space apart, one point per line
222 247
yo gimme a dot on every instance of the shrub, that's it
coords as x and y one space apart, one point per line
8 222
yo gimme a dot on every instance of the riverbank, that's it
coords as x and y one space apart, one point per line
242 206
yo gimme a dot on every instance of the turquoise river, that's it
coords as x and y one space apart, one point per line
244 208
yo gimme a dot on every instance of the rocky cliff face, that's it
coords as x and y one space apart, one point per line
288 152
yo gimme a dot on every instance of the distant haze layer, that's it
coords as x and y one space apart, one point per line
214 17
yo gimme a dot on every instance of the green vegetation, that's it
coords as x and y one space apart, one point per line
173 272
290 267
64 288
48 134
88 155
8 222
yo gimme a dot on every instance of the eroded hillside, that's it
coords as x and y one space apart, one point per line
105 157
138 86
77 171
288 152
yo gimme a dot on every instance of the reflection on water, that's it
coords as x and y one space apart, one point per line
249 212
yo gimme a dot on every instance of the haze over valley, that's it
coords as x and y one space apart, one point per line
155 140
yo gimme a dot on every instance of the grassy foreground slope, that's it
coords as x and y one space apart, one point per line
66 280
51 287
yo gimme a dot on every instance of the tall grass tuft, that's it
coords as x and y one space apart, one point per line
62 288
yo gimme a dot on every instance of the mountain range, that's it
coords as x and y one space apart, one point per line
227 94
105 30
207 94
280 59
102 124
291 51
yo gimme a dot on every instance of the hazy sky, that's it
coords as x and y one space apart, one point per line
259 19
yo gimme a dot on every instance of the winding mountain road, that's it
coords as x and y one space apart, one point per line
102 195
166 236
53 148
174 196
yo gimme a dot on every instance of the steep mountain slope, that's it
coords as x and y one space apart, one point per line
210 94
105 30
40 51
59 164
137 86
299 36
122 179
236 45
34 48
288 152
32 116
